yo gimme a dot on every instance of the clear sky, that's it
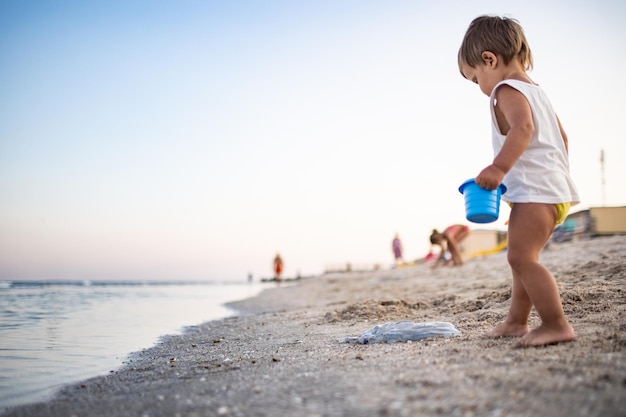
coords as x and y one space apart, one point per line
195 139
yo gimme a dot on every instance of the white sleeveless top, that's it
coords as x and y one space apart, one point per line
541 174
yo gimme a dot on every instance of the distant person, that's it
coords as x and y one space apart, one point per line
278 268
531 158
396 247
448 241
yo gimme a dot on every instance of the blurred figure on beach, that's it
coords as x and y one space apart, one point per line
396 247
448 241
531 158
278 268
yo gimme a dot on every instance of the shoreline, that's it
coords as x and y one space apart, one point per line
279 356
89 330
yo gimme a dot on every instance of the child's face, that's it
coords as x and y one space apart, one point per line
483 75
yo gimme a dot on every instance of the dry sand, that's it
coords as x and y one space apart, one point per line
281 357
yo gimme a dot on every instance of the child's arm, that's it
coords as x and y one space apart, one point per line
516 122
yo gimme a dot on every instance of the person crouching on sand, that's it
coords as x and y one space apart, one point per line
449 241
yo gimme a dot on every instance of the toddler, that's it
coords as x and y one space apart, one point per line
531 158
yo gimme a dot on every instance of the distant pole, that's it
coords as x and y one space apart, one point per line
602 177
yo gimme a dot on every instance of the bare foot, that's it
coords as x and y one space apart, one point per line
505 329
542 336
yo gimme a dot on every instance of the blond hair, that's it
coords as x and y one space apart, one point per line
501 35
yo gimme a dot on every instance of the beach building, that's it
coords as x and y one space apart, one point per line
483 242
595 221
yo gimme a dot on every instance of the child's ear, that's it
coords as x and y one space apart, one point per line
489 58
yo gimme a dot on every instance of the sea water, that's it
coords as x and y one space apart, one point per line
56 333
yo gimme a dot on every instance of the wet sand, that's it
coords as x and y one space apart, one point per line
281 357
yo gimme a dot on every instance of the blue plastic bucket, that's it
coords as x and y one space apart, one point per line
481 205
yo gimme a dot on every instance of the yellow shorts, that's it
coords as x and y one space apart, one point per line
561 212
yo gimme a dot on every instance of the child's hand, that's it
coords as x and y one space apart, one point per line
490 177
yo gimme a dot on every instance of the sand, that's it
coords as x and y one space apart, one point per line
280 356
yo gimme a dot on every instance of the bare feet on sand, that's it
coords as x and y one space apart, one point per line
542 336
505 329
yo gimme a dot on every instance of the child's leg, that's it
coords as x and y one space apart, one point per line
530 227
516 323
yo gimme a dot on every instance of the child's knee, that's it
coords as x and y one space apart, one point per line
516 260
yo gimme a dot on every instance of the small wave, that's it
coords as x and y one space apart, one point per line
112 283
